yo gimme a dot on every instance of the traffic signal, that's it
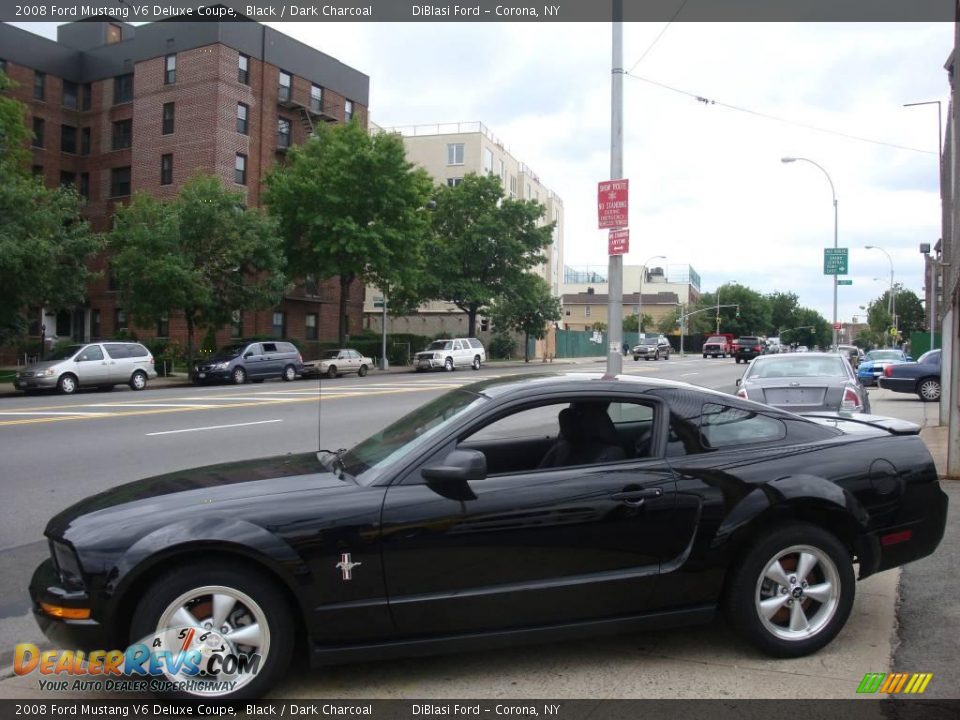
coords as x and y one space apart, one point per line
738 311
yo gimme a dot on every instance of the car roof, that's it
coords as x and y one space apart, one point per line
539 383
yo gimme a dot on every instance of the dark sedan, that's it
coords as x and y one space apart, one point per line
517 509
920 378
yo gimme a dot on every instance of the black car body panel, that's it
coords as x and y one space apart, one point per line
524 552
906 377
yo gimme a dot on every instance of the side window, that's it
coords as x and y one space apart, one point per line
724 426
138 351
354 355
529 423
287 347
269 347
91 353
117 351
457 345
476 344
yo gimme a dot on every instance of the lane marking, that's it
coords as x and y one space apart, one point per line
19 413
688 374
212 427
147 405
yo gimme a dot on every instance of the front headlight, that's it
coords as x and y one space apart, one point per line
437 356
221 366
68 566
49 372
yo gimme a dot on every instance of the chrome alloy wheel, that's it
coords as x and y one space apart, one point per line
798 593
231 617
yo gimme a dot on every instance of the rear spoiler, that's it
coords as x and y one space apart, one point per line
857 422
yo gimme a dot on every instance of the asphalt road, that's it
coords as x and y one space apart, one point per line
59 449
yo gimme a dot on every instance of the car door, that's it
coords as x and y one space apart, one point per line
118 362
347 361
254 361
525 545
92 366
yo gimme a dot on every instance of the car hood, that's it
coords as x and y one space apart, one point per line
42 365
215 489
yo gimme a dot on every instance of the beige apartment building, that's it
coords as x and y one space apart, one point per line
449 152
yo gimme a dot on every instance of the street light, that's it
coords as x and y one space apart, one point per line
643 272
834 193
730 282
892 300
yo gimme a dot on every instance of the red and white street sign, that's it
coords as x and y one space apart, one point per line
618 242
838 326
612 205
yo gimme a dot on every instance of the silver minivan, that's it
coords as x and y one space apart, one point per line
101 365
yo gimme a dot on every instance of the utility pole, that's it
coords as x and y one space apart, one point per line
615 271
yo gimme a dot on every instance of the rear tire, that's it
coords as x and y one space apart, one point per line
929 389
245 597
793 591
138 381
289 373
476 362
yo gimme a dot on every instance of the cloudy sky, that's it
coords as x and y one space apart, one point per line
707 185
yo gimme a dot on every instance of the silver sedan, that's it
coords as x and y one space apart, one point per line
804 383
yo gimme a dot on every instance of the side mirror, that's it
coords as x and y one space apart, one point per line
461 465
247 355
909 359
738 382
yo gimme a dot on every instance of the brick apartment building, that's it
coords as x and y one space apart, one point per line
117 109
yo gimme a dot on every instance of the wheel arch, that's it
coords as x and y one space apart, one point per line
146 560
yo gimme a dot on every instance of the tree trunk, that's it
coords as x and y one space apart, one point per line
345 282
472 321
189 318
526 347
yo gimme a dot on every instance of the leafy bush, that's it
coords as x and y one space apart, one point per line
501 347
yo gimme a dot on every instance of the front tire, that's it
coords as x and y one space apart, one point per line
239 376
332 372
362 371
242 605
138 381
929 389
448 364
67 384
793 591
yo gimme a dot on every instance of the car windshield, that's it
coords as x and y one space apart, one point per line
648 341
230 351
331 355
885 355
440 345
788 367
64 353
368 460
717 338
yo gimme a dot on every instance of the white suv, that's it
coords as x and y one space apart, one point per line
451 354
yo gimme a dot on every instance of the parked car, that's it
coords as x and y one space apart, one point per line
256 361
746 348
338 362
451 354
802 348
774 345
523 507
921 377
652 347
851 352
873 363
101 365
804 383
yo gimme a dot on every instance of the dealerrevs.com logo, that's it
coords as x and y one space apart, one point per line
187 659
894 683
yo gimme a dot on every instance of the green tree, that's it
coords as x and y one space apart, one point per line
783 312
202 254
528 307
754 318
631 324
483 244
351 207
910 315
44 241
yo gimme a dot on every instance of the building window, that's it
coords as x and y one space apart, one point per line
68 139
169 113
163 326
503 174
240 169
120 181
166 169
119 320
513 186
487 161
279 327
243 69
316 98
348 110
122 134
86 96
453 182
310 332
39 85
529 192
283 86
38 128
455 154
85 141
170 69
84 188
37 171
586 311
114 34
243 112
123 88
67 179
69 94
94 324
283 133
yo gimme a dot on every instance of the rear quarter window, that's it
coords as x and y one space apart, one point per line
476 344
138 351
117 350
286 347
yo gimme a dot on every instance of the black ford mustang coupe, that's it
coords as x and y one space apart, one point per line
538 507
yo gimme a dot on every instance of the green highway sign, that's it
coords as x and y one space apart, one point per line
844 282
835 261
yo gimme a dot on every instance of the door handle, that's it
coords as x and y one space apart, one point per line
636 498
